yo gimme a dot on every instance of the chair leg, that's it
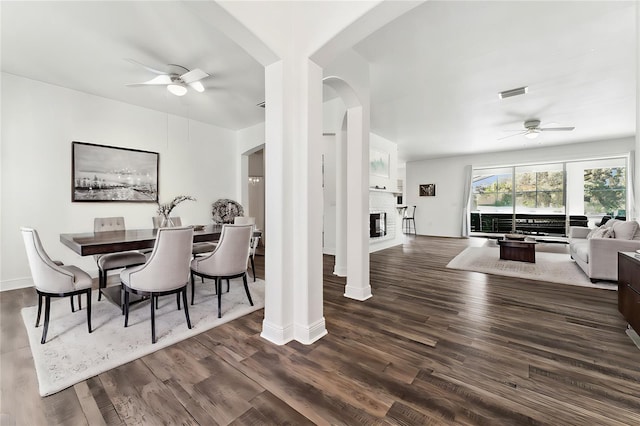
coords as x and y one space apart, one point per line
99 284
73 309
246 288
186 309
227 286
253 269
193 287
219 291
79 301
39 310
126 308
178 298
89 309
153 319
47 308
156 301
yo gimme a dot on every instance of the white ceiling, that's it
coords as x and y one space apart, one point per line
82 45
435 72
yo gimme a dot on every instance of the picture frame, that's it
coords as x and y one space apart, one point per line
428 190
102 173
379 163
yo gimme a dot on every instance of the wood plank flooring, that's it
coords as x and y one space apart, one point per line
433 346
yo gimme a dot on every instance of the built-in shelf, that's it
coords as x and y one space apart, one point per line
396 193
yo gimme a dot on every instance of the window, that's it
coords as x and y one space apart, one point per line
605 191
492 190
540 189
546 198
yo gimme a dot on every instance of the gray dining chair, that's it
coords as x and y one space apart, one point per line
111 261
198 248
51 279
166 272
255 239
227 261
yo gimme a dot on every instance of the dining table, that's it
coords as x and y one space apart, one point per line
97 243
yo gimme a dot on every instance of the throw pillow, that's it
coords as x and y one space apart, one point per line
611 222
593 231
601 232
625 230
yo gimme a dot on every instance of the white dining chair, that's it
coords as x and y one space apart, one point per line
227 261
255 239
111 261
51 279
166 272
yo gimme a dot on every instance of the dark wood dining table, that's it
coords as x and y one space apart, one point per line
91 243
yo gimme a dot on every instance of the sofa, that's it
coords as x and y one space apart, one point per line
596 250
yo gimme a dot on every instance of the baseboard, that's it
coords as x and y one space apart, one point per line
275 334
340 272
310 334
16 284
382 245
358 293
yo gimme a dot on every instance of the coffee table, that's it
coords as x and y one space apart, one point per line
521 251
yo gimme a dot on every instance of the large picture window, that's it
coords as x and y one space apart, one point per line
547 198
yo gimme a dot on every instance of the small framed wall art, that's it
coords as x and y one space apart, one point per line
428 190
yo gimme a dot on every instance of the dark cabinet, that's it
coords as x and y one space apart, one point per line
629 289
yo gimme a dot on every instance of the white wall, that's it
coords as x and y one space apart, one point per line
39 122
442 215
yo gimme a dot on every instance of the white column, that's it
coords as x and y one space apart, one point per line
358 286
293 169
637 162
340 266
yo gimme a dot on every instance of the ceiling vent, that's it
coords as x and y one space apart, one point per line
261 104
513 92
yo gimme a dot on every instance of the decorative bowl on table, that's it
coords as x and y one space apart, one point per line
519 237
198 227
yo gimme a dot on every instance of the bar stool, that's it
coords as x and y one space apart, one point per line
408 220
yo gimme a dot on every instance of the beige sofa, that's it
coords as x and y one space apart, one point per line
596 250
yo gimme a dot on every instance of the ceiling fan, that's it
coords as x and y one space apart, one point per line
177 78
532 129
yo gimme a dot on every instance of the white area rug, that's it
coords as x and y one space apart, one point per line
549 266
72 355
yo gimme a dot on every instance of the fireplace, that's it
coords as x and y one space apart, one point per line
377 225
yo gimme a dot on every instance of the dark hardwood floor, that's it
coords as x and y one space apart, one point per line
433 346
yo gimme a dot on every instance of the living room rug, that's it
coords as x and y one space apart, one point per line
72 355
550 266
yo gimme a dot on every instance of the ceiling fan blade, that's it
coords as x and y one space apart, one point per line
556 129
153 70
520 132
193 75
161 80
197 86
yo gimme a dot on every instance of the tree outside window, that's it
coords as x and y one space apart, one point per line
605 190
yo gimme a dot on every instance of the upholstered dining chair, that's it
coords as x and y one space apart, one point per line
166 272
227 261
111 261
198 248
255 239
53 280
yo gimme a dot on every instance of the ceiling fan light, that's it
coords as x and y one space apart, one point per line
532 134
177 89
